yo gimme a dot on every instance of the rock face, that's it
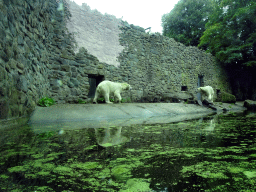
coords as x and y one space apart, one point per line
37 59
98 33
249 104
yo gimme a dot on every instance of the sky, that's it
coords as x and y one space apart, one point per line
143 13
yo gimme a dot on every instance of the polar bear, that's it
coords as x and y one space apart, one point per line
206 91
109 88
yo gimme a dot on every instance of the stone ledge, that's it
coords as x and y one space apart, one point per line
14 122
78 116
249 104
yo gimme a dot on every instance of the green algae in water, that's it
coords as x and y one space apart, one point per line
212 154
250 174
235 169
206 170
121 172
135 185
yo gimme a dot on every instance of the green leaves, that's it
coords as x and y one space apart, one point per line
230 33
46 102
102 100
80 101
226 28
186 22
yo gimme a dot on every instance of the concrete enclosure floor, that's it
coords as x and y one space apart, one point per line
77 116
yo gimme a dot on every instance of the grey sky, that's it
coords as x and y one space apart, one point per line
138 12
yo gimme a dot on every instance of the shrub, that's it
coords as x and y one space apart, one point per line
46 102
127 100
102 100
80 101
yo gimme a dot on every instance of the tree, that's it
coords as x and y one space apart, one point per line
230 33
186 21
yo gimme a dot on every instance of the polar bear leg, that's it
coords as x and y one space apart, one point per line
118 96
211 97
106 96
96 97
211 93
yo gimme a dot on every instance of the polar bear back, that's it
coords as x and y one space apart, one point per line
109 86
208 90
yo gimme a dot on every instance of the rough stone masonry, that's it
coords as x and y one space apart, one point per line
37 59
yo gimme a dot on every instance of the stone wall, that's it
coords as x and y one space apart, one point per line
143 57
33 38
156 65
37 59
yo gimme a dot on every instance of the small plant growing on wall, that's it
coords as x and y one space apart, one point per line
46 102
80 101
102 100
127 100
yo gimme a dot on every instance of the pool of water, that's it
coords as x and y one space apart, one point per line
214 153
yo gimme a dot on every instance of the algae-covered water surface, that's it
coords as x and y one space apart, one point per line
216 153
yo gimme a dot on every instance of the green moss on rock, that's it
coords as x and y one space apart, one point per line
226 97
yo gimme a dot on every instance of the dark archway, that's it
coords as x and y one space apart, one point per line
184 88
94 81
200 83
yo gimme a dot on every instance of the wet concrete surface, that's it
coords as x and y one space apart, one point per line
77 116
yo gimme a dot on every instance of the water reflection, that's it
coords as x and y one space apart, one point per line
210 128
214 153
107 137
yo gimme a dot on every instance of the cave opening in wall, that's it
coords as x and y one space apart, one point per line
218 92
200 83
94 81
184 88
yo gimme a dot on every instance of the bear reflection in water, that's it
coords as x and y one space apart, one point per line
110 136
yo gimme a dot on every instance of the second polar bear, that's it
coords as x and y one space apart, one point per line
109 88
206 91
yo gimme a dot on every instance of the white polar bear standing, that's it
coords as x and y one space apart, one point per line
109 88
206 91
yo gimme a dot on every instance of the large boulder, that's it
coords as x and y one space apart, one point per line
226 97
249 104
174 97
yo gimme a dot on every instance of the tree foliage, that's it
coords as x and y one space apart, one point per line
230 33
186 21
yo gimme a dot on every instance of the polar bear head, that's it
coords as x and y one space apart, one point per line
126 86
206 91
200 90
